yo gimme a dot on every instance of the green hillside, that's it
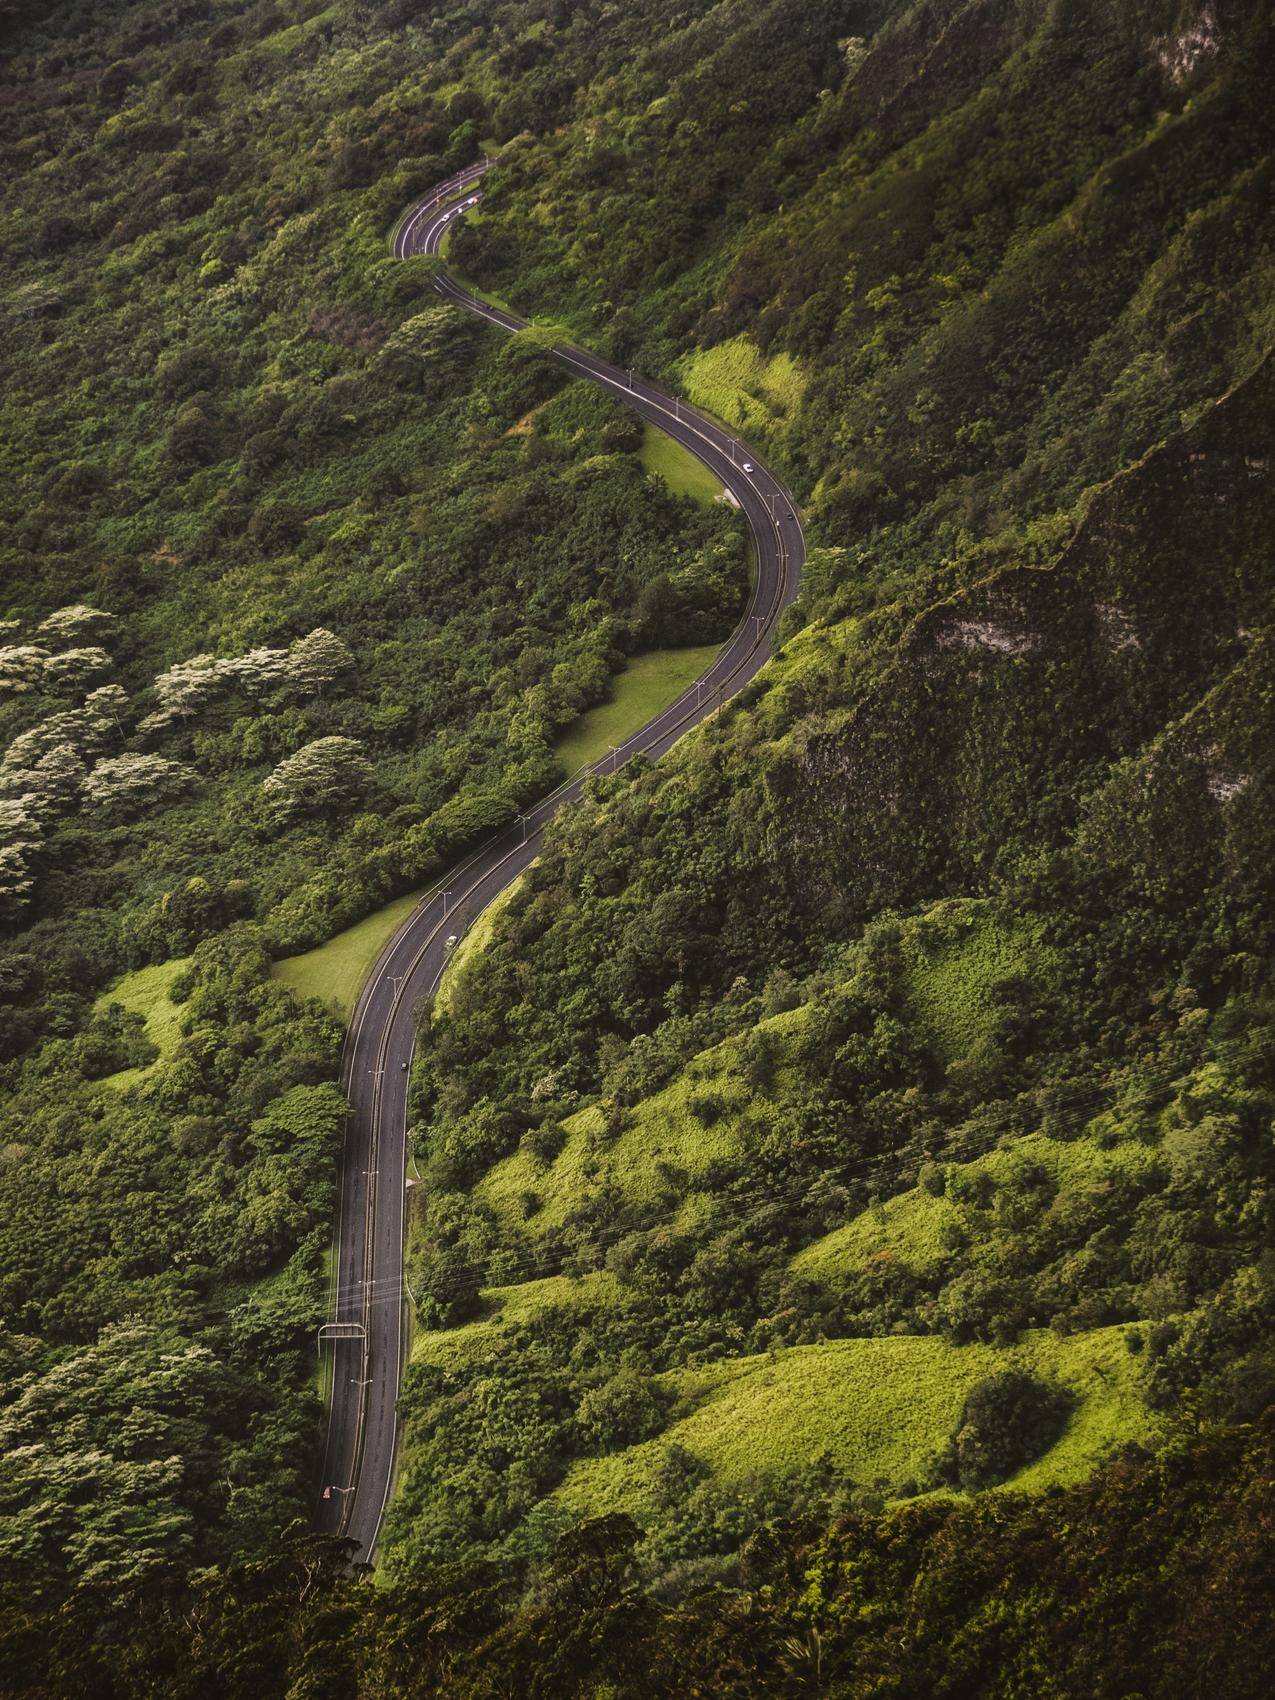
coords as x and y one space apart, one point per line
838 1252
875 1410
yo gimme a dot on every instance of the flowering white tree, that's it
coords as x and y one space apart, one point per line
321 775
88 730
316 659
71 669
75 624
124 784
21 668
21 835
184 689
188 687
51 786
104 710
16 879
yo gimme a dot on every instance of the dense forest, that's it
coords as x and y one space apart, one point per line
842 1259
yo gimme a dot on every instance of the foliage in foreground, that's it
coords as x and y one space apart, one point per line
996 1598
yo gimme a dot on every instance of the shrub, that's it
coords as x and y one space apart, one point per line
1007 1420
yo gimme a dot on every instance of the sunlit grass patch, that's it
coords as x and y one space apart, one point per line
910 1226
737 382
660 1152
956 956
878 1408
335 971
145 991
684 474
649 683
449 1347
471 946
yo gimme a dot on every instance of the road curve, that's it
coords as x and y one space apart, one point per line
369 1300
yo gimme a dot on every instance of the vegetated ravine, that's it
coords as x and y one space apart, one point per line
366 1330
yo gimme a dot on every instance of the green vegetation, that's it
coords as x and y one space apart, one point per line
502 1308
145 992
960 957
925 1230
305 574
848 1147
876 1410
885 1013
677 466
646 684
742 386
334 972
471 946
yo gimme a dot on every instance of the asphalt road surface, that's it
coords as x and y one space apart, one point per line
368 1334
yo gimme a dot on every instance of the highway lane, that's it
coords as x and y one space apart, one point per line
369 1300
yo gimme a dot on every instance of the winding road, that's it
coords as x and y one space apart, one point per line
368 1331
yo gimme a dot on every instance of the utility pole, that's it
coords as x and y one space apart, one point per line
446 899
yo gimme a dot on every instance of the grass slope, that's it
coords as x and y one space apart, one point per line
911 1226
471 946
648 684
956 956
740 385
334 971
503 1306
677 466
877 1408
146 990
663 1150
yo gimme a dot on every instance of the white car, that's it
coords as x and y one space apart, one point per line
748 466
472 201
